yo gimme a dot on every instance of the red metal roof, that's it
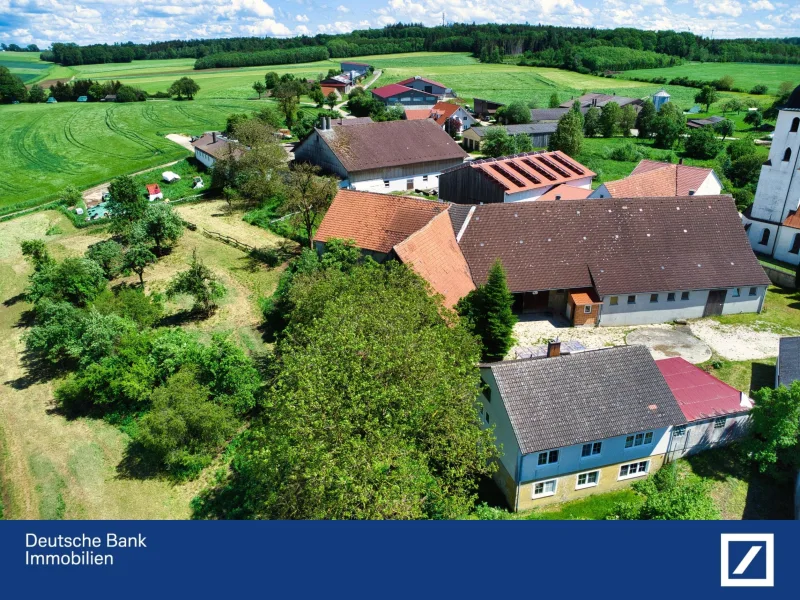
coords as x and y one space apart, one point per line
390 90
531 170
700 395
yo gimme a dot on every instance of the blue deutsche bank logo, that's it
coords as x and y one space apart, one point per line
748 560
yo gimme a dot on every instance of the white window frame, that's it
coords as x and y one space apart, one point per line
588 484
424 178
587 309
547 453
642 436
592 452
543 493
386 183
638 473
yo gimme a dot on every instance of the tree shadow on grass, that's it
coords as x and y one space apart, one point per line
762 375
14 300
38 369
182 317
137 463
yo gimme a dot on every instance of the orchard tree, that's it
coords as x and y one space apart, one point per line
259 88
331 100
184 86
702 143
109 255
754 118
669 125
568 136
127 203
627 119
161 225
137 258
75 280
774 429
609 119
287 101
257 173
308 196
317 96
591 122
488 314
707 95
38 255
725 128
199 282
645 120
271 79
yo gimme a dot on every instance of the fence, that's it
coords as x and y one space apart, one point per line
226 239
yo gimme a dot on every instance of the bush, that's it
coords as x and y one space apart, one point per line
627 152
703 143
271 257
759 90
75 280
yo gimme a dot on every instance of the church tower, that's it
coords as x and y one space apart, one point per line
772 226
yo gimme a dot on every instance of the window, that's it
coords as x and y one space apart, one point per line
614 300
631 299
720 422
544 488
679 431
591 449
684 295
787 155
424 178
753 291
637 469
385 183
653 297
795 125
547 458
796 244
587 480
587 310
764 237
737 292
671 297
486 416
639 439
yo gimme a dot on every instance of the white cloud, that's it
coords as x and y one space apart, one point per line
728 8
301 18
762 5
302 30
764 26
342 9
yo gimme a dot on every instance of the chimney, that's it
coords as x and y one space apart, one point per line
553 348
558 197
213 137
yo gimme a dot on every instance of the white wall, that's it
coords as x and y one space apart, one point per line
612 452
783 243
711 186
527 195
644 311
756 231
778 190
702 435
396 185
204 158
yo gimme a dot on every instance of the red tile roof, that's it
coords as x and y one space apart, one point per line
658 179
326 89
792 220
425 79
566 192
417 114
375 222
390 90
152 188
531 170
616 245
434 255
442 111
700 395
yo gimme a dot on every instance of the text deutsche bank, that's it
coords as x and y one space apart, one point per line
78 550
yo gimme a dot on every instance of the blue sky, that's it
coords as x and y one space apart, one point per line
89 21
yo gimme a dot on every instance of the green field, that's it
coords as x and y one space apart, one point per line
25 65
745 75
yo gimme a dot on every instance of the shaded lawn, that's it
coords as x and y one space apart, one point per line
596 507
780 314
738 489
745 375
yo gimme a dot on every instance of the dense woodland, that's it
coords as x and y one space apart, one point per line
487 39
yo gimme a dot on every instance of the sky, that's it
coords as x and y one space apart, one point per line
94 21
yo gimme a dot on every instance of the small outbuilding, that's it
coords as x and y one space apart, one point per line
154 192
51 100
83 99
169 176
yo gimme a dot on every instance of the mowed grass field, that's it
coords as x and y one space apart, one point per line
745 75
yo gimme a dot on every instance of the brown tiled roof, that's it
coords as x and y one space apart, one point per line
413 114
792 220
531 170
435 256
653 178
442 111
375 222
616 245
391 144
219 149
566 192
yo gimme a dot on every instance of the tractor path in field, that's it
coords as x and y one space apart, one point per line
94 195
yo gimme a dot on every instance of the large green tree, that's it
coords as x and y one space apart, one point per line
185 86
609 119
127 203
702 143
308 196
645 120
669 125
373 410
591 122
487 311
497 142
11 87
74 280
774 444
707 95
137 258
515 113
627 119
160 225
199 282
568 136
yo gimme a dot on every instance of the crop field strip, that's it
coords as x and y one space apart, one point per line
745 75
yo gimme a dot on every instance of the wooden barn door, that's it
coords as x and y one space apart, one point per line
715 302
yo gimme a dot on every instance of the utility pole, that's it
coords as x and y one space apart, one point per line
443 13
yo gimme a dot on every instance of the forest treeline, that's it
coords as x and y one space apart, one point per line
478 39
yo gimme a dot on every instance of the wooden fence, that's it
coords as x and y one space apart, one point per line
226 239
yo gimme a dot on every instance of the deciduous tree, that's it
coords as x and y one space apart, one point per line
160 225
707 95
568 136
259 88
199 282
137 258
609 119
645 120
774 429
308 196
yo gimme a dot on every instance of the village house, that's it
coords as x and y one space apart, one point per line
573 425
359 68
716 413
211 147
773 222
539 133
616 262
341 84
429 86
600 100
417 232
382 157
522 177
400 95
442 113
652 178
485 109
619 261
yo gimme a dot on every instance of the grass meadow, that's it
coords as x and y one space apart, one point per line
745 75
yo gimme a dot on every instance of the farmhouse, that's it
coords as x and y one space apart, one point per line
550 115
444 112
539 133
698 123
416 232
619 261
578 424
485 108
515 178
716 413
154 192
600 100
428 86
382 157
359 68
651 178
773 222
213 146
401 95
342 84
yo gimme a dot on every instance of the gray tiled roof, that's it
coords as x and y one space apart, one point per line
529 128
458 214
583 397
788 360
